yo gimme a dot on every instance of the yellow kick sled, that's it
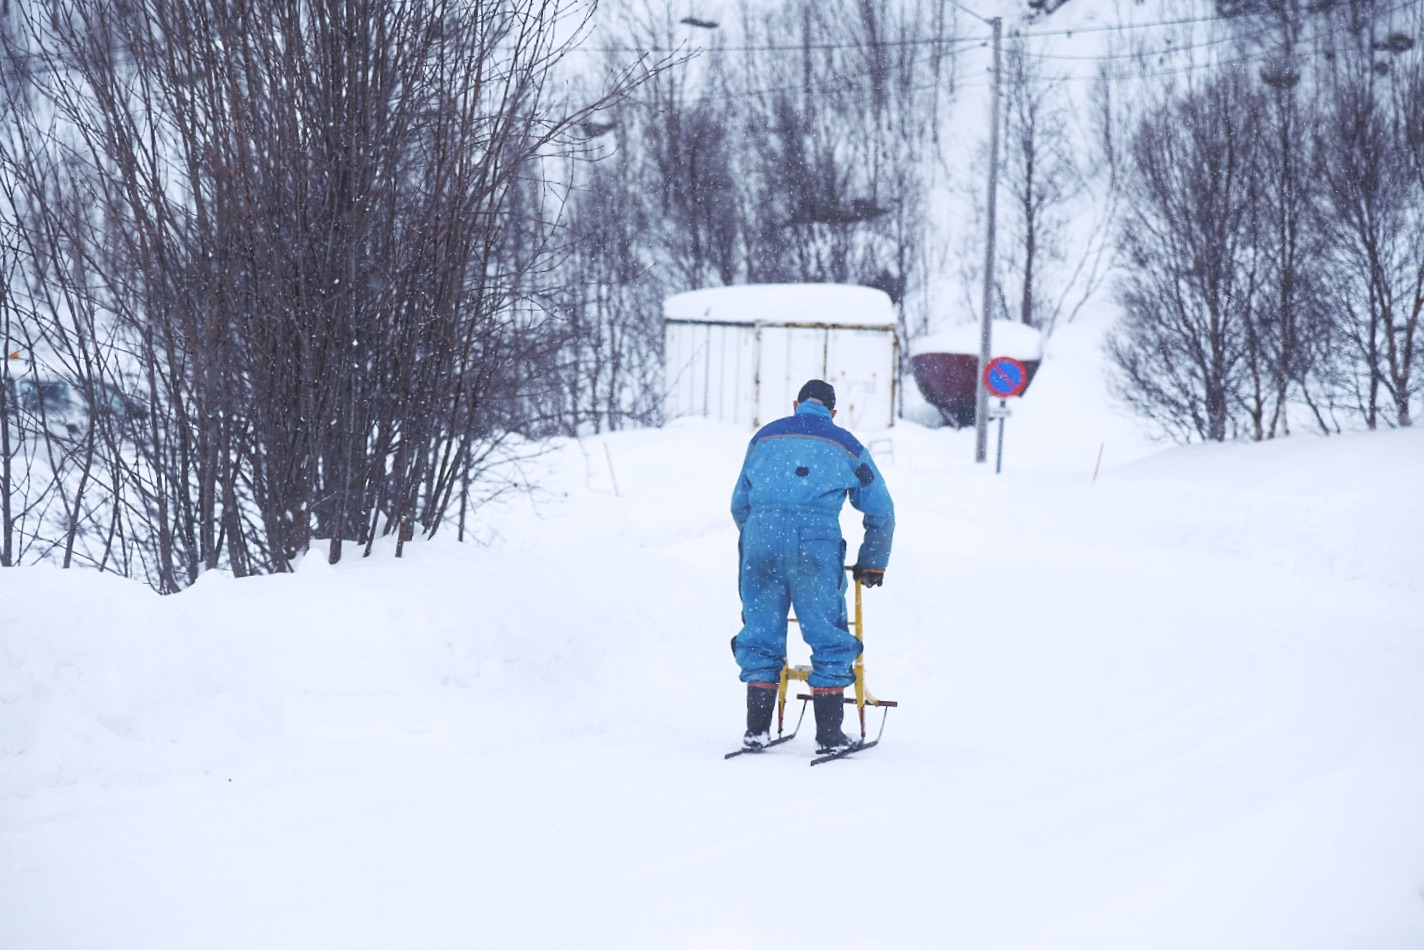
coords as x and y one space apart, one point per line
863 696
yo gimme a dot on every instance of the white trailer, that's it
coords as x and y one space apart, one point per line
739 354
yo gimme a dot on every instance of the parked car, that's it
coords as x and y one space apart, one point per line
111 401
51 396
63 409
32 404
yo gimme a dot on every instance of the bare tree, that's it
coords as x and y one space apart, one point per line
1340 239
1369 148
799 149
1289 335
1042 179
839 131
1188 245
312 233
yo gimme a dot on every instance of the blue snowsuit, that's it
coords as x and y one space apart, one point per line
797 474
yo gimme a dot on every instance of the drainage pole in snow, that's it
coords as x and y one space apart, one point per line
981 396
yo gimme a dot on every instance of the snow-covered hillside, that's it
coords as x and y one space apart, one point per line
1178 707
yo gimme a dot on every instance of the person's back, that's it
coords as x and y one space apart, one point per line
798 473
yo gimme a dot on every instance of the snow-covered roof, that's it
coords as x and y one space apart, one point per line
831 304
1007 338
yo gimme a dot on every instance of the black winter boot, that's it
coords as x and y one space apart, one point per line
761 702
830 713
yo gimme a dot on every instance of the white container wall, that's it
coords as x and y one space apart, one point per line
740 354
701 359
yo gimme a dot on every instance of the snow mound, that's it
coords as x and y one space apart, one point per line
1007 338
1347 506
99 680
835 304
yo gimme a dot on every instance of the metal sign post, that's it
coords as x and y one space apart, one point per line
1001 412
1004 377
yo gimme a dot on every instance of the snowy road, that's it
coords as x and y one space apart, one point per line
1130 718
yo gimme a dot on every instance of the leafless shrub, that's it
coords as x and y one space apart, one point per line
1192 281
1319 272
1369 150
308 235
800 144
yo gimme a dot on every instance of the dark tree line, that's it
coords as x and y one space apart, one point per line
1273 246
291 256
282 271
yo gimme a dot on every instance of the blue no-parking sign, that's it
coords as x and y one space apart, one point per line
1005 376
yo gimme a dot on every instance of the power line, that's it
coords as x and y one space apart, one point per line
1186 21
835 83
956 44
1127 74
915 41
1182 48
1222 20
1028 31
839 81
1124 27
798 47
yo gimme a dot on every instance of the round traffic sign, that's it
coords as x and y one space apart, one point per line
1005 376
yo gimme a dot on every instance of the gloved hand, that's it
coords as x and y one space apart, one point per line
868 576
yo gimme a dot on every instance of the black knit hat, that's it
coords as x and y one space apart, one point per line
819 390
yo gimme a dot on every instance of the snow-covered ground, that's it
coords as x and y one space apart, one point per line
1178 707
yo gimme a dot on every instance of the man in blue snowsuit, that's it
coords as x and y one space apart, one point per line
798 472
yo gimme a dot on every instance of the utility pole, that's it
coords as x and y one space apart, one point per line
981 394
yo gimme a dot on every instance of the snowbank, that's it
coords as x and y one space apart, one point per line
1007 338
1342 507
103 681
833 304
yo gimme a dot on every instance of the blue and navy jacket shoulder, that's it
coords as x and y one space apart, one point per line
805 467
